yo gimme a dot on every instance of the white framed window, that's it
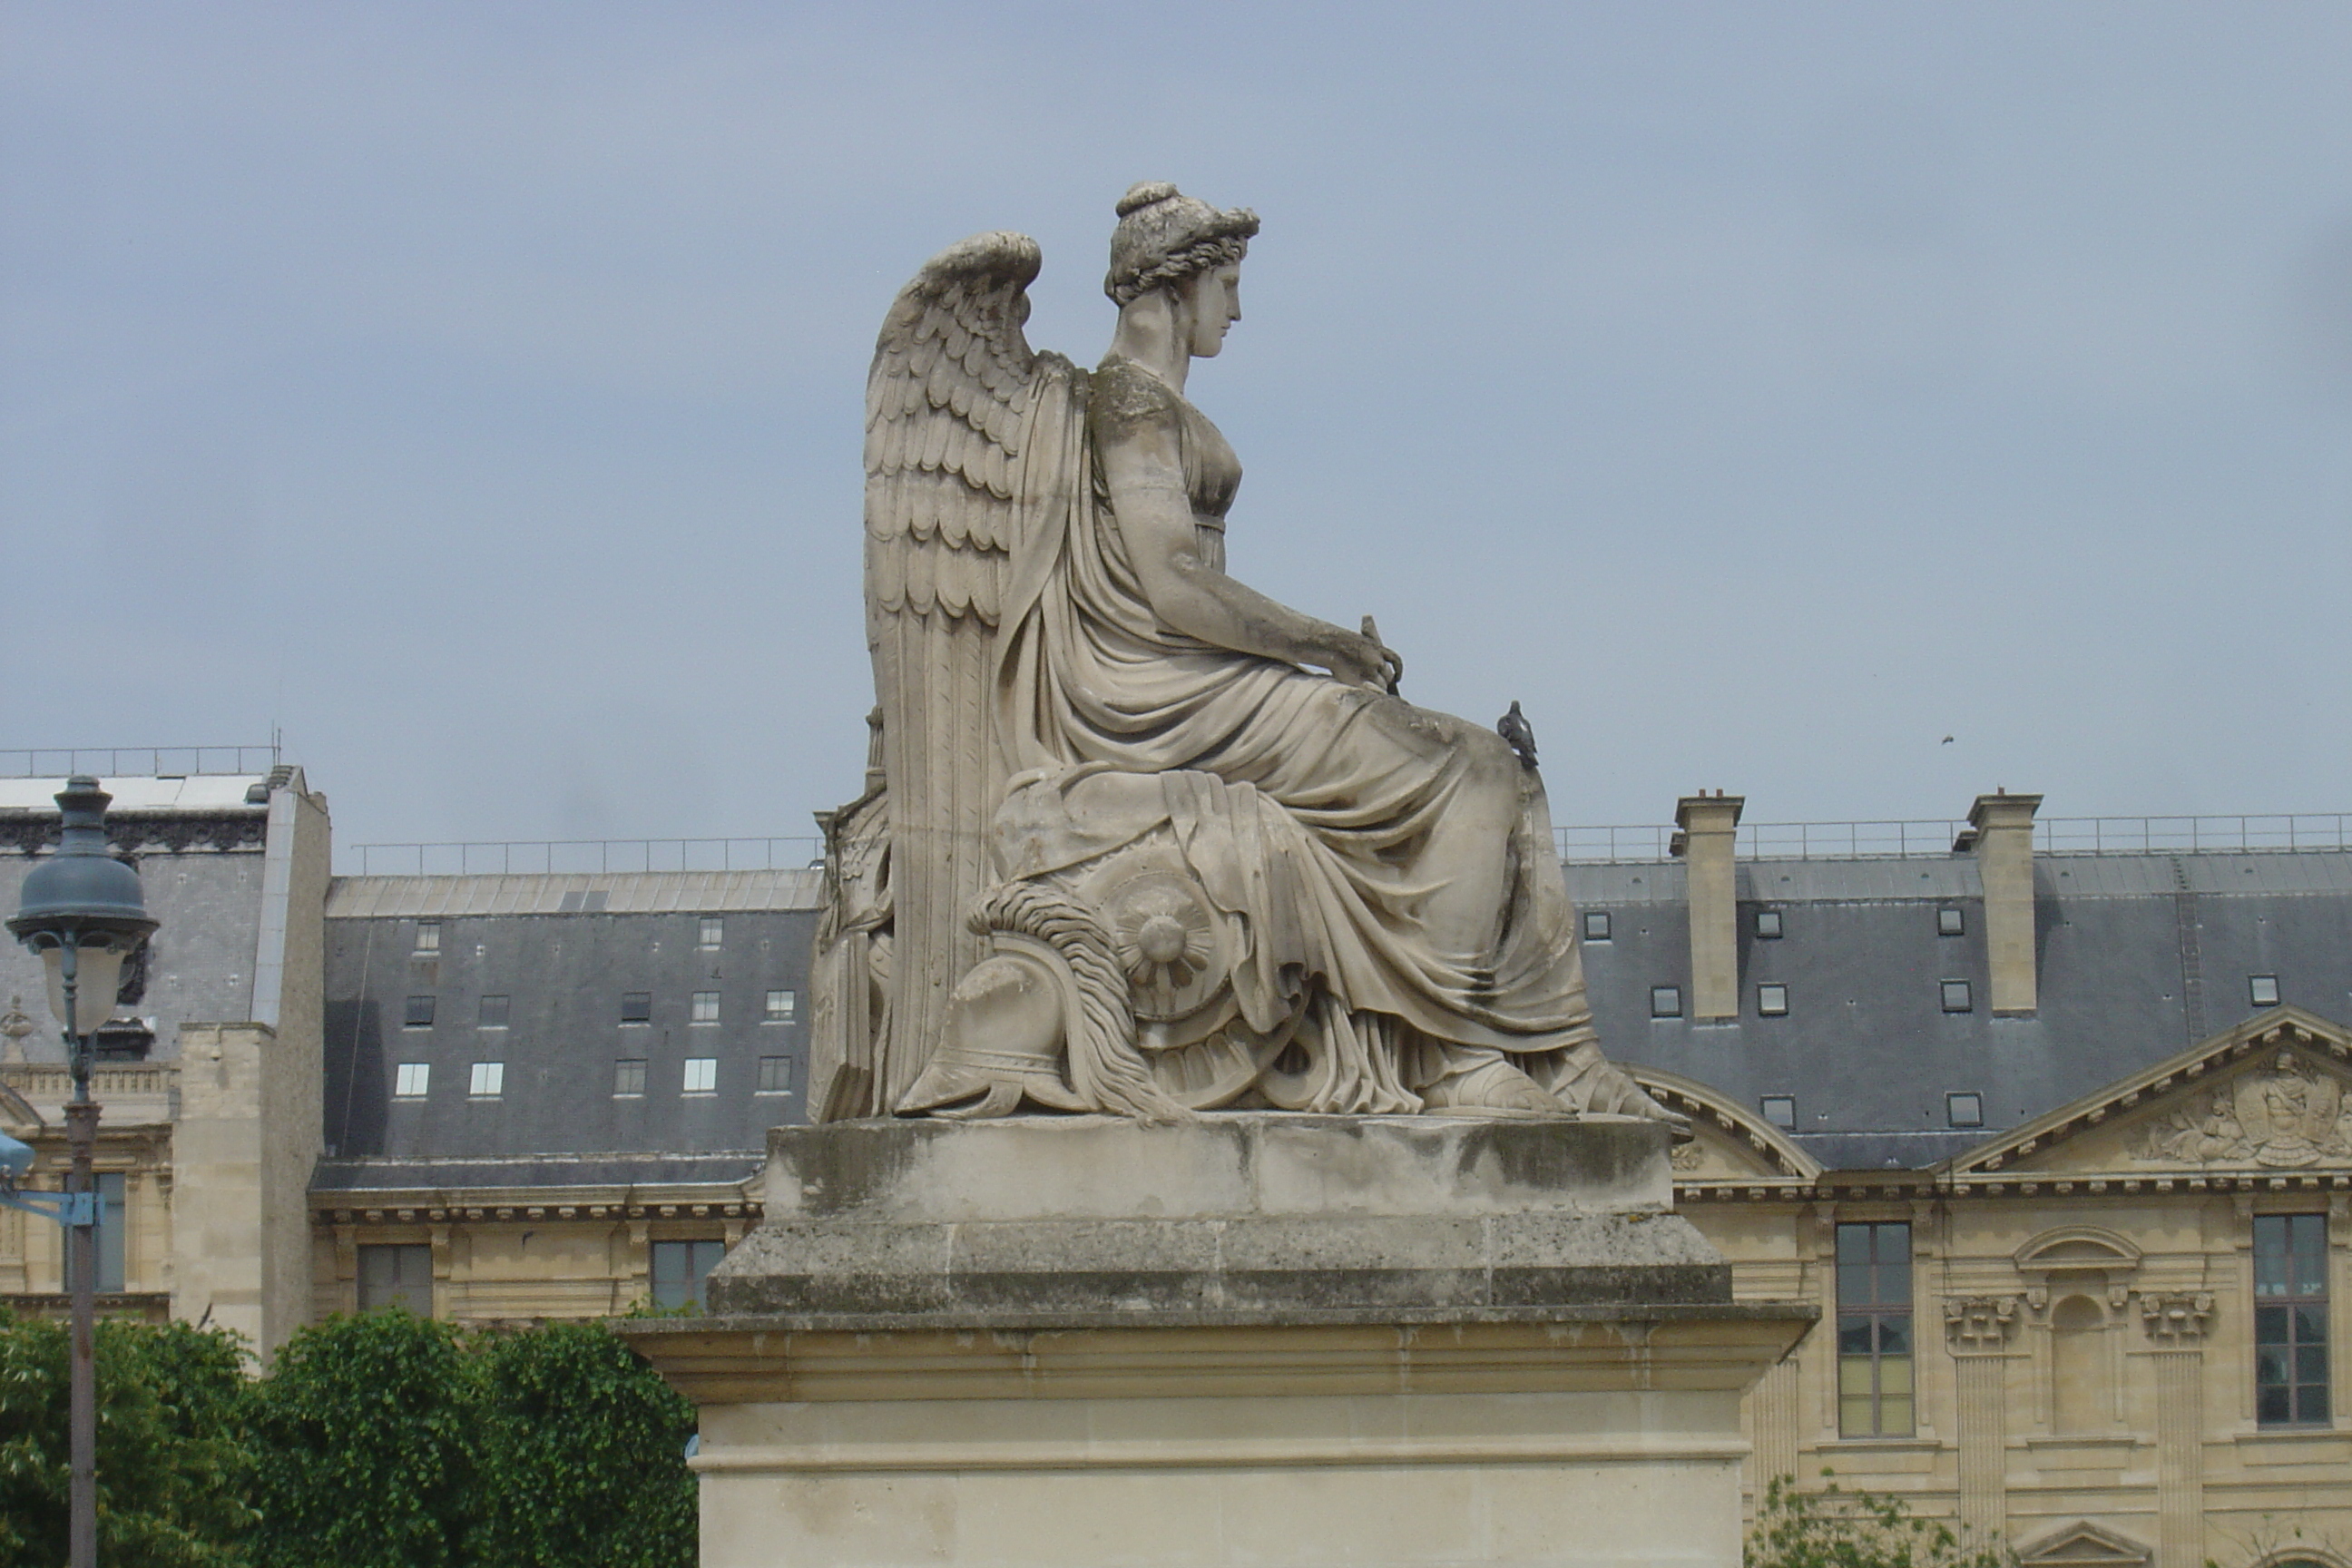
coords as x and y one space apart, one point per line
775 1075
706 1008
2263 990
714 931
628 1077
1964 1107
489 1081
1768 924
783 1008
1772 999
428 936
1780 1109
701 1075
411 1080
1951 920
1596 925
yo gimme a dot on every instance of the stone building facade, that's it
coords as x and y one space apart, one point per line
2054 1129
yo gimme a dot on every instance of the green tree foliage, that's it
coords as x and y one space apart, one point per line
1835 1529
584 1456
174 1470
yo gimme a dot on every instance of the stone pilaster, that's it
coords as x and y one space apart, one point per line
2176 1323
1977 1330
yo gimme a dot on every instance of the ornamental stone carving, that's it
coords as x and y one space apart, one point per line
2283 1116
1139 839
2176 1317
1978 1323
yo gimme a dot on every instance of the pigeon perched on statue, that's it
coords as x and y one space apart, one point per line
1514 727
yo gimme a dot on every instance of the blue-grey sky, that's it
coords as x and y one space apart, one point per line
1758 393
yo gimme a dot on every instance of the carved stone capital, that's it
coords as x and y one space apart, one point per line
2176 1317
1978 1323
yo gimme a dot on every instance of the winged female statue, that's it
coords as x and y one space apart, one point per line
1144 840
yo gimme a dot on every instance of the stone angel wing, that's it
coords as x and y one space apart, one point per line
951 405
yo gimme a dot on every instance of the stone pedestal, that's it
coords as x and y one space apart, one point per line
1263 1340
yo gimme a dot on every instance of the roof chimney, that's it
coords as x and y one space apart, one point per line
1709 823
2003 845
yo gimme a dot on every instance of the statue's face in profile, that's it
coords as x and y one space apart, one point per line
1216 306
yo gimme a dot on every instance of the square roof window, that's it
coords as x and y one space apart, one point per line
701 1075
1596 925
714 931
1958 997
1780 1109
1951 920
1772 999
2263 990
411 1080
489 1081
1665 1001
1768 924
417 1012
637 1007
629 1076
428 936
1964 1109
493 1012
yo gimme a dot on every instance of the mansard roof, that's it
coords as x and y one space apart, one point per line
2141 957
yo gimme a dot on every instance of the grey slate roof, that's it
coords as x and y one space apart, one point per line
564 975
2140 956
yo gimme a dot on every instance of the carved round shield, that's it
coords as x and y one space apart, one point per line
1169 940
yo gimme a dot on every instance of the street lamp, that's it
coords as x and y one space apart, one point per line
80 911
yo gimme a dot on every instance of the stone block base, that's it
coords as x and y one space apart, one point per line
1248 1341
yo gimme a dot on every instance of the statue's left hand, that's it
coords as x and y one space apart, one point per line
1392 670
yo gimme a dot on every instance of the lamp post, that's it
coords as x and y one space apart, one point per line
80 911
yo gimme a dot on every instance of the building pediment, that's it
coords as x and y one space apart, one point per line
2273 1095
1730 1143
2084 1545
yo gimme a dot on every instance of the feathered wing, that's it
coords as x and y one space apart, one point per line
949 407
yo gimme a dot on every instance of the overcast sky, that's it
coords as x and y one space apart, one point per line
1758 394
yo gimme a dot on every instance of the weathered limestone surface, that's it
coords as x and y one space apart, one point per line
1240 1339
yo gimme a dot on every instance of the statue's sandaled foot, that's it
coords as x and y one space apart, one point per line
1614 1093
1493 1089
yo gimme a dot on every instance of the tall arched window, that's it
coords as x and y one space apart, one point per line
2080 1400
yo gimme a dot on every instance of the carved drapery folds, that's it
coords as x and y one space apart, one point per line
2175 1320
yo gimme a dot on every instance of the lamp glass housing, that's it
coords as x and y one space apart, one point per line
98 976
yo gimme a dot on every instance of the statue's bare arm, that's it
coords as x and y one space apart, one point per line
1145 474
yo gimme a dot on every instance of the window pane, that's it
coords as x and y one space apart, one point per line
1665 1001
1893 1243
2307 1244
428 936
1894 1336
494 1013
410 1079
1853 1337
1854 1418
637 1007
418 1012
706 1007
2312 1403
1895 1375
701 1075
775 1075
399 1276
2311 1363
489 1079
1854 1376
2310 1325
2271 1406
714 931
1596 925
1894 1417
1854 1243
629 1076
2270 1364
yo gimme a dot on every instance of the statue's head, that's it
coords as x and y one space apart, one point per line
1167 240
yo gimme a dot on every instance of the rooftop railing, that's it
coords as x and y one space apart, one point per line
2051 836
582 857
138 762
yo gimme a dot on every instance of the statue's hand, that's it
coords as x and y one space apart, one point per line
1356 660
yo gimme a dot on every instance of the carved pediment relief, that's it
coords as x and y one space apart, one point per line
2269 1095
16 1026
2084 1545
1730 1142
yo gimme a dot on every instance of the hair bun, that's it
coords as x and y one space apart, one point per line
1143 193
